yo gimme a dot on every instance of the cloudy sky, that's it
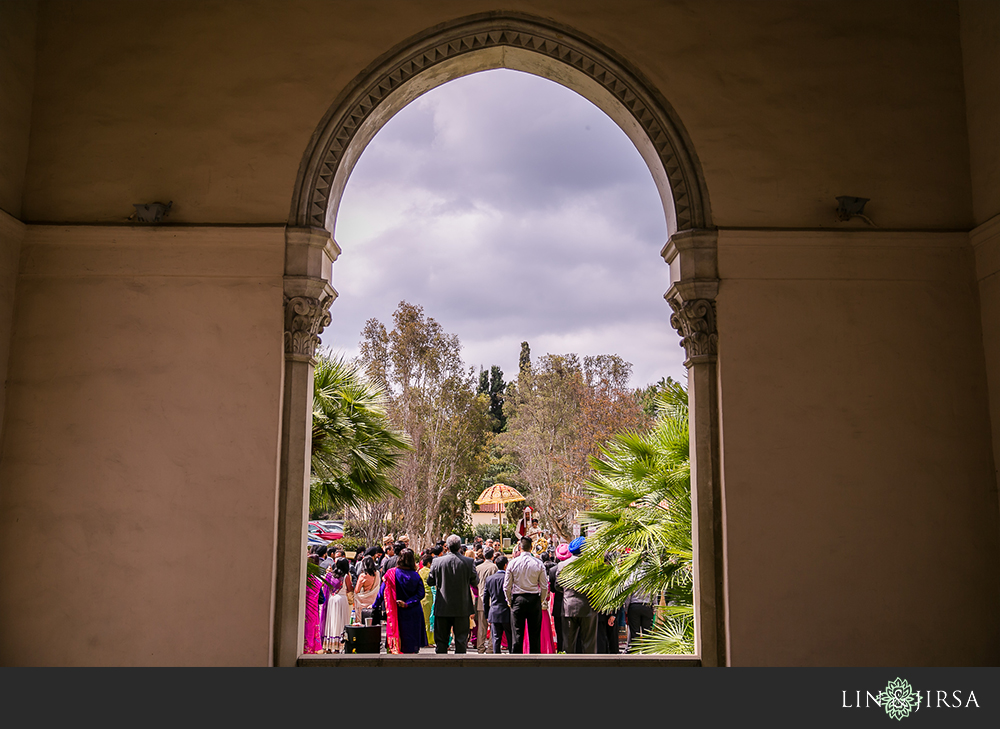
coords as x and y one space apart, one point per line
511 209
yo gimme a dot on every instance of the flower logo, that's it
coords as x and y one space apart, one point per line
898 699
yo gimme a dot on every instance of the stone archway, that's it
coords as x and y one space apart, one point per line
500 40
534 45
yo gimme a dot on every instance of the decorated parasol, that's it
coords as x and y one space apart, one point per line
499 493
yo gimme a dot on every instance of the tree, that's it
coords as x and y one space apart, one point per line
558 414
641 492
354 449
524 360
607 406
541 426
433 400
648 395
494 387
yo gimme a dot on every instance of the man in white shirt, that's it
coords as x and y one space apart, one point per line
526 587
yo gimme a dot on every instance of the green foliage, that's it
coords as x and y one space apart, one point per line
457 521
494 531
351 544
354 450
502 466
524 360
648 395
641 495
492 385
314 570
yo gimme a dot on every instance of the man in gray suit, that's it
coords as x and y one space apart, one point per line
454 576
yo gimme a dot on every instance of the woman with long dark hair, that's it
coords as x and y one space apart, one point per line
366 589
337 610
401 594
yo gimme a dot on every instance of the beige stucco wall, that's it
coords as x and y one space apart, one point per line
139 464
11 234
788 104
986 243
17 70
980 24
17 84
145 371
861 507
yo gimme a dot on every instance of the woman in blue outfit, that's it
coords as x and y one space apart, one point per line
400 595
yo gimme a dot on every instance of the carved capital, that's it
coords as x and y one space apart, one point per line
694 320
305 319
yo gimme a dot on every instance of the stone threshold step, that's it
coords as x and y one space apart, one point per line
494 661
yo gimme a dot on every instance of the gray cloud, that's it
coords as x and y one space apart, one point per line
511 209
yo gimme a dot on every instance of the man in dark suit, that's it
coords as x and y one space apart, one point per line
495 604
454 576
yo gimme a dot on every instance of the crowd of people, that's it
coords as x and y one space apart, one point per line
463 597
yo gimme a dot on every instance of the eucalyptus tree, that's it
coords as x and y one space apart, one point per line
641 495
542 424
433 399
558 413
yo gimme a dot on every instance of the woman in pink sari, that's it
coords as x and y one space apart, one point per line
313 635
548 645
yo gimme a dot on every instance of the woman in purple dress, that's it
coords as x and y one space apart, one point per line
400 594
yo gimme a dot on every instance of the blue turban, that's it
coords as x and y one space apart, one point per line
576 546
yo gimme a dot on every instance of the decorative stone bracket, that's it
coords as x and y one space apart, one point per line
305 319
309 257
695 322
692 256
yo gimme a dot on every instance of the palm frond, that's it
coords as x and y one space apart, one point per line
640 491
354 450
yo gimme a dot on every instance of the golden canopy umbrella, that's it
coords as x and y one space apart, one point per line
499 493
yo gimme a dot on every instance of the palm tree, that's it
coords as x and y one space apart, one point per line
354 450
641 496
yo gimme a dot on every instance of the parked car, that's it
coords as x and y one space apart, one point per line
317 529
314 541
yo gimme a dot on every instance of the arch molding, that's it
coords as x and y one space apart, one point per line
499 40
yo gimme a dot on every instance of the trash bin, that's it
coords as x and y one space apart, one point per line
362 639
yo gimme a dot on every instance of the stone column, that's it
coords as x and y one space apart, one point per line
309 257
692 256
